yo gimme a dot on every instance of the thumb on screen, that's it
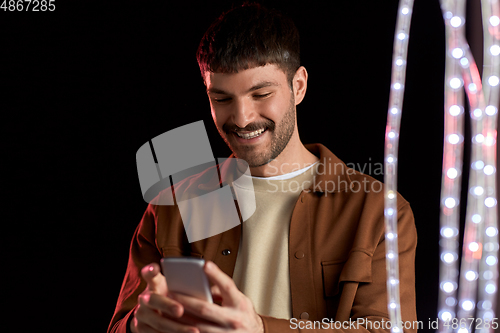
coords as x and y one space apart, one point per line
155 280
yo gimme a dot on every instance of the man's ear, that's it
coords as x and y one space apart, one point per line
300 84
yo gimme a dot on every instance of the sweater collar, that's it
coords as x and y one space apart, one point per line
332 174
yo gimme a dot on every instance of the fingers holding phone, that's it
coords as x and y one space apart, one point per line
186 275
155 311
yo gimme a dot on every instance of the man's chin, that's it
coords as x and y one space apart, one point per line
253 158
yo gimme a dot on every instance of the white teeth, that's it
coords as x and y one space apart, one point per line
251 135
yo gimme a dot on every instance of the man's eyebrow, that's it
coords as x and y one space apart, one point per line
256 87
263 85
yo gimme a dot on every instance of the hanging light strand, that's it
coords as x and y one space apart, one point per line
454 18
474 221
479 272
488 277
399 59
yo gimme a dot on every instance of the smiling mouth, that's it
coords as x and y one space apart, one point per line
251 135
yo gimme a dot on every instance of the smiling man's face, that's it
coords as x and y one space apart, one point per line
254 111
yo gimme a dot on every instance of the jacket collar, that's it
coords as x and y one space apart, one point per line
332 174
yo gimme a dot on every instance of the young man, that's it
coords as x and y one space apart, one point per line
313 253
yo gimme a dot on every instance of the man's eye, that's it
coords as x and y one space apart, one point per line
222 100
262 95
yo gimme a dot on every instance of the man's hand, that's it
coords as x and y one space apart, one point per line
156 312
236 314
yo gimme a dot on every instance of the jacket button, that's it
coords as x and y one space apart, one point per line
226 252
304 315
299 255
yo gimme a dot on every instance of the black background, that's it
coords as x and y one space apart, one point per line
85 86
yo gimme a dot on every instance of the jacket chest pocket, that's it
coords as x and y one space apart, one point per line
357 268
331 276
168 251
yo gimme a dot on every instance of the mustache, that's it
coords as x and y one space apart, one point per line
231 127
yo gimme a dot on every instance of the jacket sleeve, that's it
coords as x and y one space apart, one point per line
369 308
143 251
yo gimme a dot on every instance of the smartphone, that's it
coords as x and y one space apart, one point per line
185 275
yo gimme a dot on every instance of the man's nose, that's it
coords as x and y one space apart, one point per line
243 113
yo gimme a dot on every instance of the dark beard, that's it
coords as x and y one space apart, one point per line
280 136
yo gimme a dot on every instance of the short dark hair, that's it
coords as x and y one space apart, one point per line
250 36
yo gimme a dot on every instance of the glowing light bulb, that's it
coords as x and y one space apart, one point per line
494 20
477 113
448 287
495 50
455 21
489 170
392 305
453 139
490 288
391 134
450 202
455 110
491 260
487 305
390 236
401 36
452 173
490 202
391 195
390 255
397 86
464 62
490 110
467 305
470 275
393 281
390 211
449 258
447 232
472 87
491 231
473 246
457 53
394 110
455 83
405 10
463 330
476 218
493 80
478 165
478 190
488 316
446 316
479 138
489 141
399 62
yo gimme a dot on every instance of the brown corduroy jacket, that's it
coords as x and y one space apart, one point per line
336 254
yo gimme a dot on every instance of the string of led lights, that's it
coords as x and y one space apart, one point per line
452 163
488 273
478 261
390 160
